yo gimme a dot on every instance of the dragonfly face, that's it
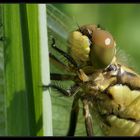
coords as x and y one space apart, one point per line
109 91
92 45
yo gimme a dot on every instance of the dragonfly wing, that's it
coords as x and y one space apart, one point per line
59 26
55 23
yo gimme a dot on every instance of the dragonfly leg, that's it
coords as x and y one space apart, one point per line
88 118
79 71
59 89
73 116
58 63
66 55
73 90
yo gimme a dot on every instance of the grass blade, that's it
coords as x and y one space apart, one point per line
47 114
15 90
23 95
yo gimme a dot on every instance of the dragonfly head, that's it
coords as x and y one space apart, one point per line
91 44
103 48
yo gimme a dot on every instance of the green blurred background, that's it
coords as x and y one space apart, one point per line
121 20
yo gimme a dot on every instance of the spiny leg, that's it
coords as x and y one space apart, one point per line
88 118
66 55
75 106
73 89
59 89
74 116
79 71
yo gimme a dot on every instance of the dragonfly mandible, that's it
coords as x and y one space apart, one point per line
103 85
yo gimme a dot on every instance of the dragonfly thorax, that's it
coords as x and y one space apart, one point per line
100 80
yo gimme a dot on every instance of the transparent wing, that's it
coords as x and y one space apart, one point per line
124 58
55 21
59 26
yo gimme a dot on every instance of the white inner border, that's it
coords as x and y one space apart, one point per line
45 71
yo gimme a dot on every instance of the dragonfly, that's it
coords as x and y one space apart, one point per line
109 90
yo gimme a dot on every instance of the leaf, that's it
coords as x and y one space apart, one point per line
2 97
22 101
45 71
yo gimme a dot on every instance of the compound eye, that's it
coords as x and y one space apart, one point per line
103 49
103 39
